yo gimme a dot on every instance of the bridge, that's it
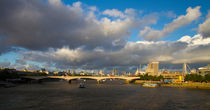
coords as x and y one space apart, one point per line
98 78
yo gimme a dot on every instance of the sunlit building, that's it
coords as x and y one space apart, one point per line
137 72
153 68
204 70
193 71
172 76
101 73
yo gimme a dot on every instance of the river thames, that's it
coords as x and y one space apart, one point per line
108 96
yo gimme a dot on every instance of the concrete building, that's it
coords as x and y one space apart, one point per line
204 70
193 71
172 76
73 72
101 73
137 72
153 68
114 71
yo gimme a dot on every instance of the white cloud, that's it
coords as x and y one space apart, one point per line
186 39
130 11
204 28
93 8
192 14
195 40
114 13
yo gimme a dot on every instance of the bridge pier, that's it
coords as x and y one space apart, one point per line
69 81
127 81
98 81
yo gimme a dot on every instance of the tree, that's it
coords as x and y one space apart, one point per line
6 74
150 77
207 77
194 77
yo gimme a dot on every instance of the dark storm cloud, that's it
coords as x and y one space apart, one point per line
132 54
62 36
39 25
187 49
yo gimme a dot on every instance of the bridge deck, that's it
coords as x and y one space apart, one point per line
81 77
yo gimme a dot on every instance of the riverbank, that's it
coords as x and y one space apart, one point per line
144 81
177 85
188 85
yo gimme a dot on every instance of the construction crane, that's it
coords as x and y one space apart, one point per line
185 68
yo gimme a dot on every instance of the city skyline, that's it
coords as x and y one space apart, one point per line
60 34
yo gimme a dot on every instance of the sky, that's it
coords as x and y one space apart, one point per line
103 34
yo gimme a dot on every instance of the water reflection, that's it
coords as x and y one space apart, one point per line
110 95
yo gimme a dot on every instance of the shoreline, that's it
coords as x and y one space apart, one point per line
194 85
188 85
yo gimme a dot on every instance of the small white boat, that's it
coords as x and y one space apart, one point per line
150 85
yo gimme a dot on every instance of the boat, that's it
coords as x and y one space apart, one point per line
150 85
81 85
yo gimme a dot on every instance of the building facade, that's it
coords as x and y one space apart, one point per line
204 70
153 68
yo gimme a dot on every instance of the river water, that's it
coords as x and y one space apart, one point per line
107 96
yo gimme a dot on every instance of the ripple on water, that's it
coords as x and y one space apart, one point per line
116 96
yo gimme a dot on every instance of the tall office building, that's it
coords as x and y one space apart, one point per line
153 68
114 71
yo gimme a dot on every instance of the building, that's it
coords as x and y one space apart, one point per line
193 71
101 73
172 76
1 68
204 70
73 72
114 71
137 71
153 68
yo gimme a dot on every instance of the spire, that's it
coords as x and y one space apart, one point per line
137 71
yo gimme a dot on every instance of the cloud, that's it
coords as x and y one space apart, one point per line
130 11
114 13
169 14
38 25
5 64
62 35
196 51
204 28
152 34
195 40
186 49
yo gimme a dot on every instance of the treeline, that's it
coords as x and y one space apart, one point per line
197 78
150 77
6 74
